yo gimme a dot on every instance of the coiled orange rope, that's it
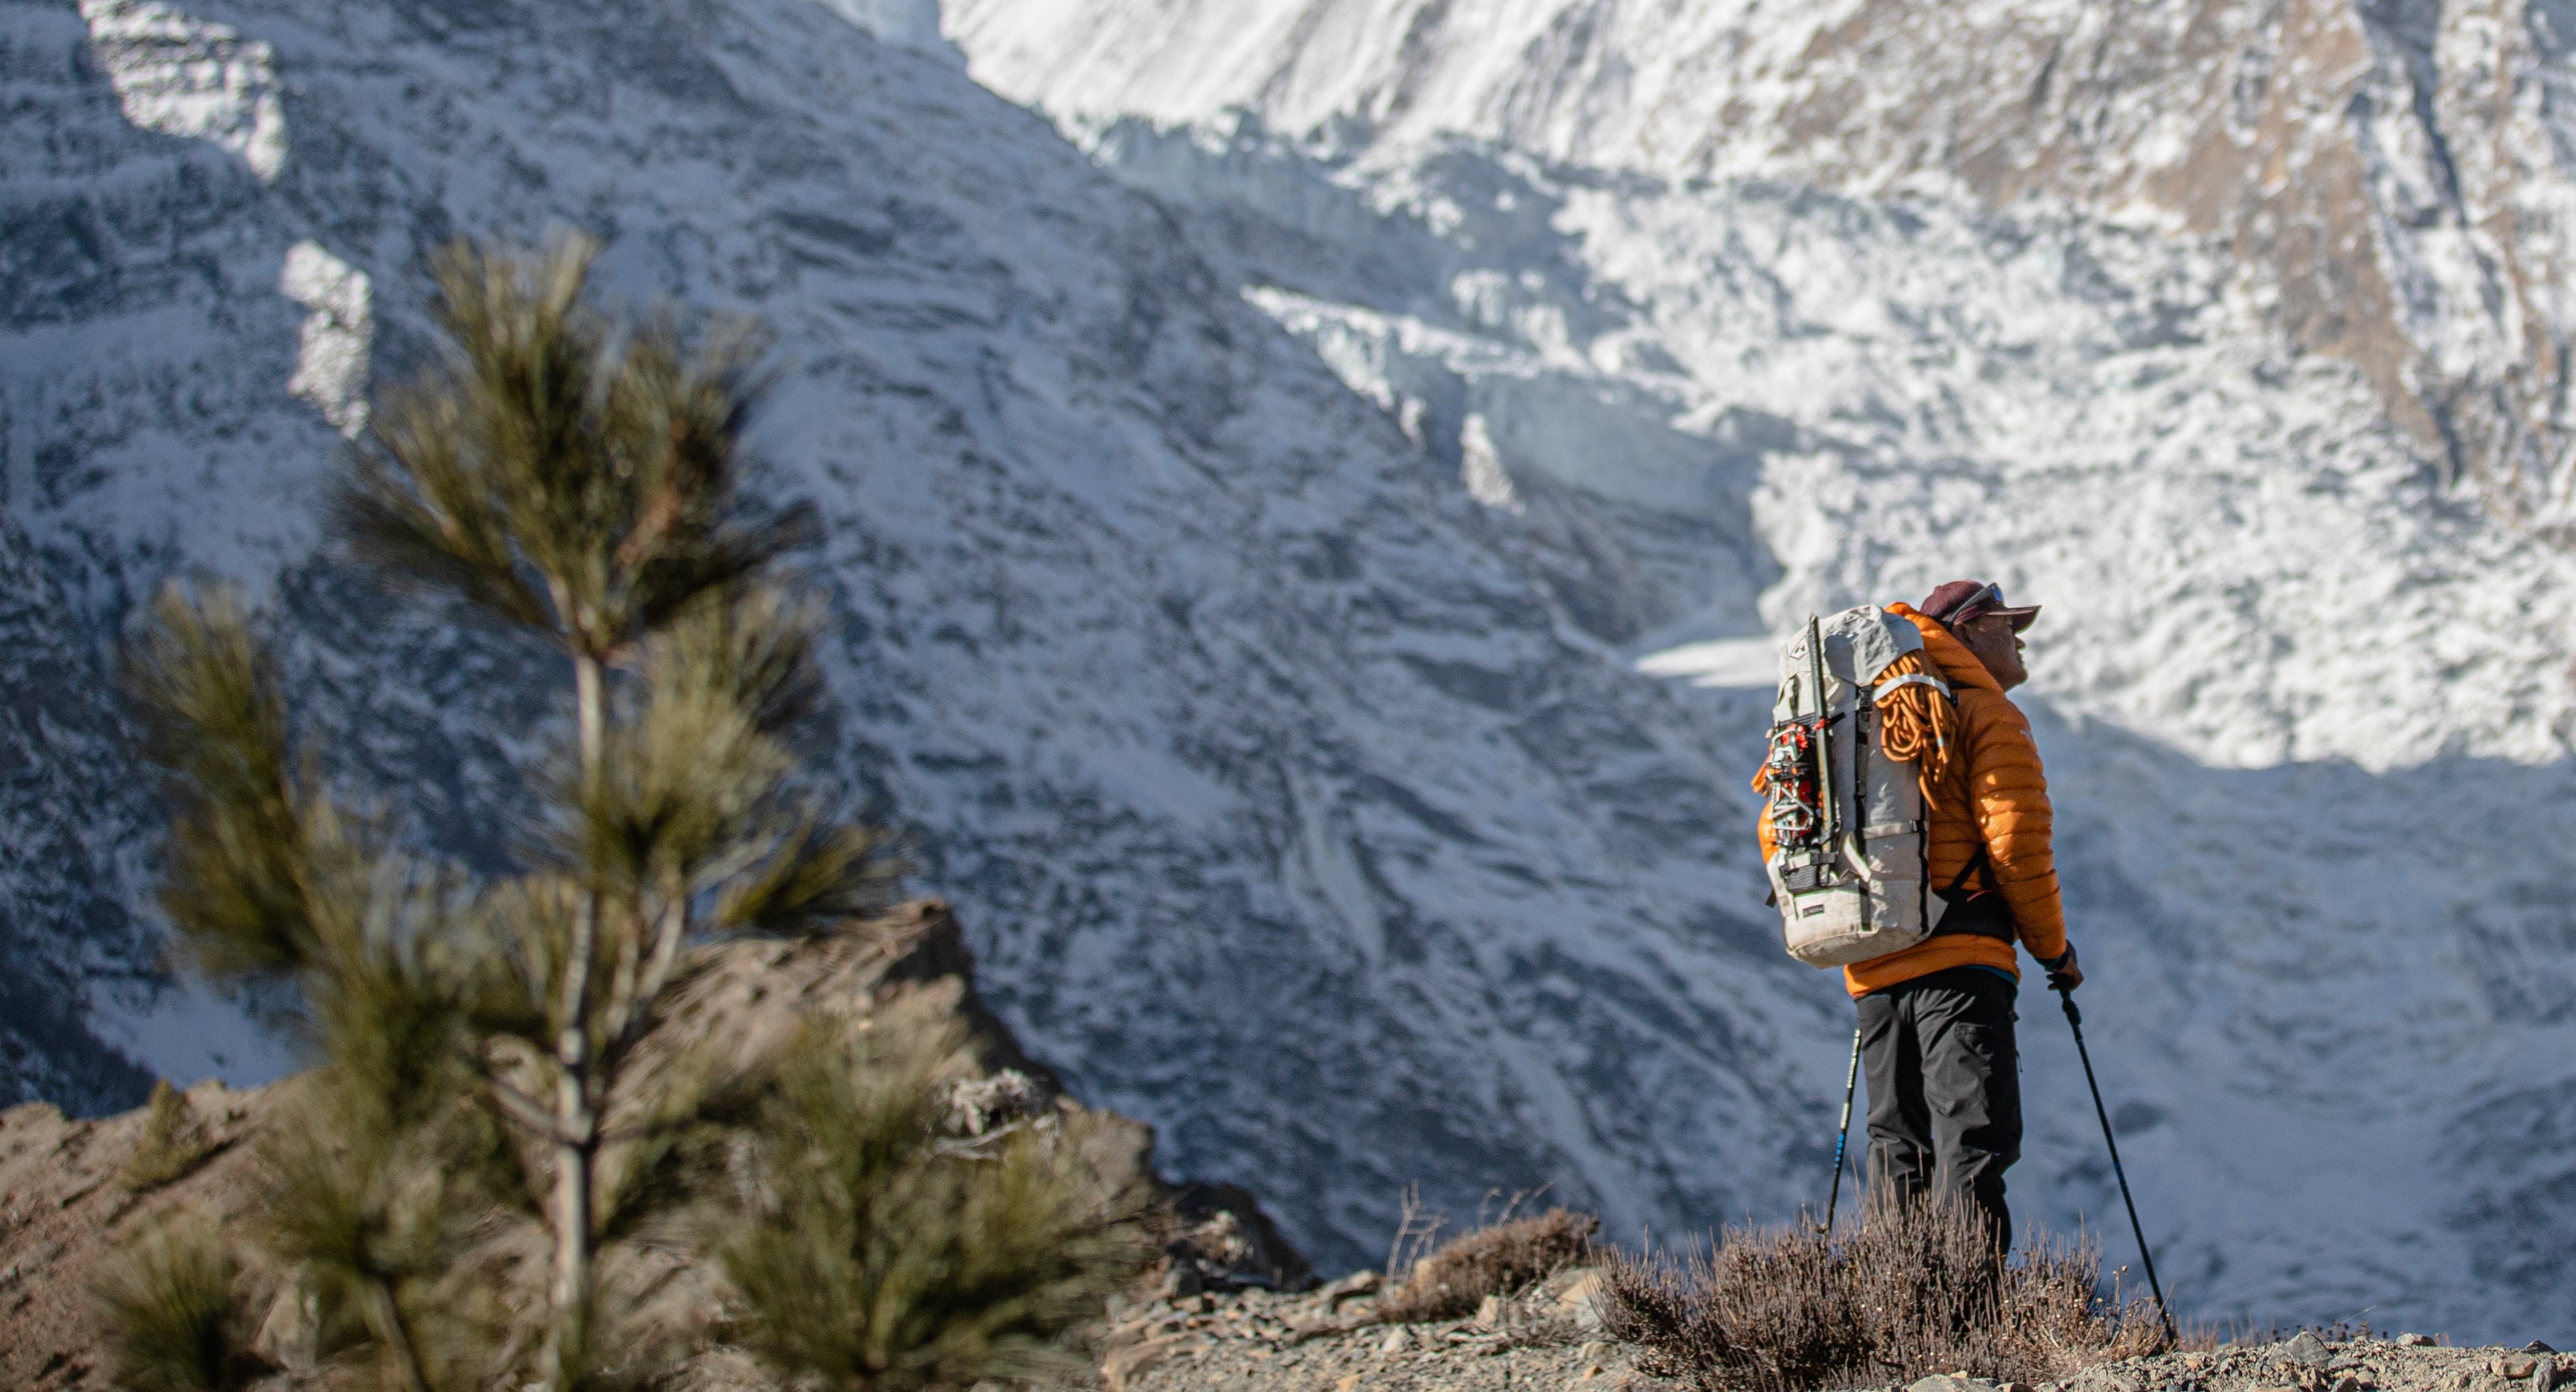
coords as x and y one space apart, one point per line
1918 722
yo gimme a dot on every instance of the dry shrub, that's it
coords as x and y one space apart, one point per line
1500 1260
1914 1292
174 1142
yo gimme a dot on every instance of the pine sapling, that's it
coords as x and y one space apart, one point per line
573 477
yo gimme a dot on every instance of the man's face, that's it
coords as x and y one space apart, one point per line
1996 645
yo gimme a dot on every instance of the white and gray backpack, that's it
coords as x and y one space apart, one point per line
1849 873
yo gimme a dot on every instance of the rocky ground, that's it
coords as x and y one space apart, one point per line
2308 1363
1329 1340
1549 1342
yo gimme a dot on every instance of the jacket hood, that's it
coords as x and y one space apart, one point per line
1958 666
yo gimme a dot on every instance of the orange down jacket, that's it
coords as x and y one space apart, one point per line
1996 796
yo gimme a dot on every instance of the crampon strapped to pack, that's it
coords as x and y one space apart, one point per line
1849 871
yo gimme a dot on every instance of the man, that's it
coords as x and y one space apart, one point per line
1936 1020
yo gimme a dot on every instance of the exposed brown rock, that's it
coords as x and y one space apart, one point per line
2402 218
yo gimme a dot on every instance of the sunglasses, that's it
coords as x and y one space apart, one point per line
1964 610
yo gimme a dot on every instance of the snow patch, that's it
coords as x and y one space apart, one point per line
185 77
1748 663
1480 467
331 360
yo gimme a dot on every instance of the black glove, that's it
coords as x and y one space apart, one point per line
2064 974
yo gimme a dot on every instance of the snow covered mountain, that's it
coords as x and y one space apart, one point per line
1272 537
2232 332
1283 803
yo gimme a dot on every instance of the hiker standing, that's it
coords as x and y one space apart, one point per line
1936 1020
1934 982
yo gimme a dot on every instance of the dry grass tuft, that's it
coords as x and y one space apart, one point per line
171 1314
1913 1293
174 1142
1500 1260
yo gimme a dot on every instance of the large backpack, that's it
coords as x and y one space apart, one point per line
1849 871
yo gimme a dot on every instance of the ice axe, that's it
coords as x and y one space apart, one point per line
2075 1022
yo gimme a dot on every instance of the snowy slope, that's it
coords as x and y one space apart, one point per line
2394 179
1289 811
1767 309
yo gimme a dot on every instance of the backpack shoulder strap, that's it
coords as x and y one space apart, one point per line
1978 866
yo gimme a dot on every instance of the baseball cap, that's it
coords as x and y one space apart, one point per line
1959 601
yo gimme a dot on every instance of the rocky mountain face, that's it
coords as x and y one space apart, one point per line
62 812
1301 548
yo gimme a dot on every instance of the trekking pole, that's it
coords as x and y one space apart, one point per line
1842 1137
2075 1021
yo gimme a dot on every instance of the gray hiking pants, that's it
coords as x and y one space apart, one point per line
1944 1090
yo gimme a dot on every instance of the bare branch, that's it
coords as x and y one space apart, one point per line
670 934
530 1114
